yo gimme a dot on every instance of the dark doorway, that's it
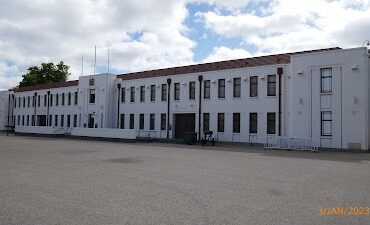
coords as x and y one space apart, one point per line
91 121
41 120
184 123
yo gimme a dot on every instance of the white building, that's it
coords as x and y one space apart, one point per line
320 94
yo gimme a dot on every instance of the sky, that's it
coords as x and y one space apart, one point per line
152 34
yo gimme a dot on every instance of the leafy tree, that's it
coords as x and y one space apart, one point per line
45 74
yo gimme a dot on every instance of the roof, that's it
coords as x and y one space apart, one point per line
223 65
48 86
197 68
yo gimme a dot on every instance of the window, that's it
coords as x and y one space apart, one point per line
56 120
163 121
62 120
33 120
28 120
326 80
51 99
271 123
141 122
132 95
205 122
15 103
64 96
221 88
326 123
253 86
221 122
192 90
69 98
177 91
236 122
122 121
38 100
152 121
19 102
123 95
45 100
50 120
253 123
68 120
237 87
152 93
56 99
164 92
271 85
19 120
76 98
28 101
75 120
142 94
23 120
132 121
91 96
24 102
207 89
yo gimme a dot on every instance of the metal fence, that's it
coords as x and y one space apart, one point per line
290 143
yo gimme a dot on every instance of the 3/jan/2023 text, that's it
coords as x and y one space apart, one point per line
350 211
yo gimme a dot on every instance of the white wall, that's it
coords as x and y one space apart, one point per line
104 133
5 111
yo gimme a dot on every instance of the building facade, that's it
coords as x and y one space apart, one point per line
320 94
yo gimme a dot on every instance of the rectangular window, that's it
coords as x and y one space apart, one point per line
237 87
132 121
152 93
164 92
51 99
326 80
76 97
271 123
56 120
75 120
50 120
326 123
24 102
56 99
192 90
28 101
220 122
33 120
19 102
271 85
15 103
23 120
68 120
38 100
91 96
253 123
152 121
163 121
253 92
207 89
28 120
205 121
64 98
177 91
19 120
142 93
141 122
62 120
123 95
45 101
132 95
221 88
69 98
122 121
236 122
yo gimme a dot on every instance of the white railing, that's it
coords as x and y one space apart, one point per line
290 143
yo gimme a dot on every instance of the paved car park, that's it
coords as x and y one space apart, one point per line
65 181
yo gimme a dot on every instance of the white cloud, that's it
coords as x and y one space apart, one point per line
225 53
296 25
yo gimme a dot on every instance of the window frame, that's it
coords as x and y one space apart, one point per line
206 120
163 121
152 93
142 93
207 89
236 123
220 122
132 121
221 88
324 77
253 86
132 94
164 92
152 121
237 87
322 121
123 94
192 87
141 121
271 124
271 85
253 122
176 88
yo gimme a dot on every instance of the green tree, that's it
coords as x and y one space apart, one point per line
45 74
